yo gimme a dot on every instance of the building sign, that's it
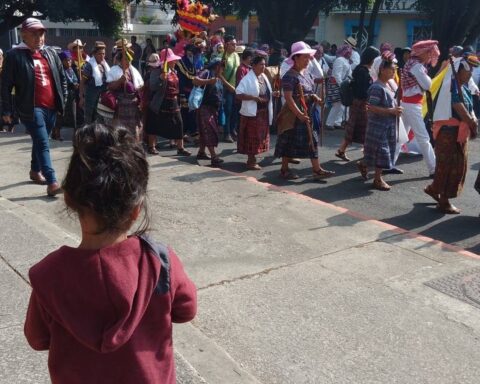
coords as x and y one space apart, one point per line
392 6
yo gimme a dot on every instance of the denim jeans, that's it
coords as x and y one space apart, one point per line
230 118
40 129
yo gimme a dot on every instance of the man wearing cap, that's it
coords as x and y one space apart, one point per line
415 82
93 81
37 74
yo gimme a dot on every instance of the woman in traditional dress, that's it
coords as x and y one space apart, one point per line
163 116
207 115
381 134
298 139
256 113
454 124
93 82
126 83
340 71
357 121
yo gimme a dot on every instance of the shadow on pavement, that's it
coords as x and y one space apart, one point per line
19 184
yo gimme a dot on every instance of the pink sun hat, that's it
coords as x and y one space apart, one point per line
170 56
300 48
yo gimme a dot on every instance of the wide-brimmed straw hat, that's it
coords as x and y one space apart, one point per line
301 48
76 43
153 60
350 40
120 43
170 56
240 48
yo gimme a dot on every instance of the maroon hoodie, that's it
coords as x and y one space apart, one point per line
101 318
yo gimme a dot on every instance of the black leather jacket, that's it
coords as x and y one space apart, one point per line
19 72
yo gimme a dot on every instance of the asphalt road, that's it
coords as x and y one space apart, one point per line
405 206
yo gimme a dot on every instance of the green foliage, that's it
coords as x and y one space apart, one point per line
106 14
146 19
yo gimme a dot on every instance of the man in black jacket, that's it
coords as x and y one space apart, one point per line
40 84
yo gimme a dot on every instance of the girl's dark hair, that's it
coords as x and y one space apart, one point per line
369 55
257 60
107 176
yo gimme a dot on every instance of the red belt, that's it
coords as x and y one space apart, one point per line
415 99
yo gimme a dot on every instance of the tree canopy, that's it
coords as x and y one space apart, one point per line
453 22
105 13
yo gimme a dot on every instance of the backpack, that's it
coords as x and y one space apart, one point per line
346 92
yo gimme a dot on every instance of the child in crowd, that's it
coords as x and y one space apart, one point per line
104 310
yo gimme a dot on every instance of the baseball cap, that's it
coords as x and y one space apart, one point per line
32 24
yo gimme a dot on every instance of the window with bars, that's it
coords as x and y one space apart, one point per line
65 32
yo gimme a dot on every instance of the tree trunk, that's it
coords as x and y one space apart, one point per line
285 20
373 19
361 25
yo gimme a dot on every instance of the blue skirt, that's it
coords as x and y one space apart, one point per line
294 143
380 143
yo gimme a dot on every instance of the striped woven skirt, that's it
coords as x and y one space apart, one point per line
207 123
253 134
451 163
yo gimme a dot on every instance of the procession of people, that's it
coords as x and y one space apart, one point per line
206 89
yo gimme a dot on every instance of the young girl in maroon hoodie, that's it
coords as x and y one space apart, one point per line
104 310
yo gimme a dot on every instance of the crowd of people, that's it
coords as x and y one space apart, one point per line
110 309
204 89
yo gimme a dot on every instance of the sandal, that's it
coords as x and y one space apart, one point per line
288 175
342 155
216 160
381 186
153 151
322 174
448 209
433 195
363 170
203 156
183 152
294 161
253 167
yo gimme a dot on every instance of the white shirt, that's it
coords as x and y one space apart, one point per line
314 69
476 75
424 81
472 86
341 69
249 86
329 58
355 59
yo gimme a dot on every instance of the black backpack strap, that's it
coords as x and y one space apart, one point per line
161 251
